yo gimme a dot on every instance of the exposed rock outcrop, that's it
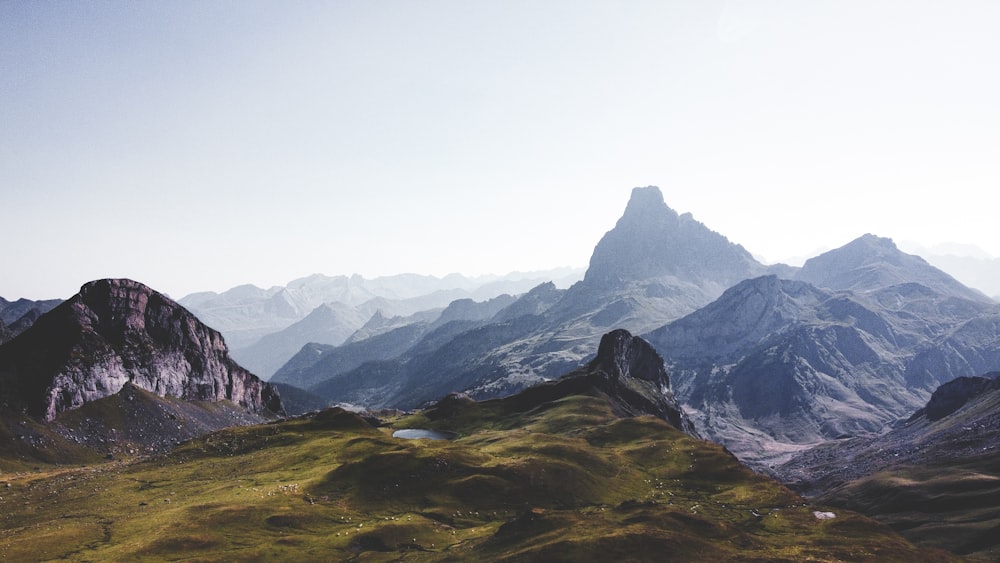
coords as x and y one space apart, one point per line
118 331
953 395
632 373
627 370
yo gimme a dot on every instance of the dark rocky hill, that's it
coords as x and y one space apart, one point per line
630 373
117 331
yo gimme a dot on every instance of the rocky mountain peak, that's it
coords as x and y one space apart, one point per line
651 241
118 331
631 372
622 355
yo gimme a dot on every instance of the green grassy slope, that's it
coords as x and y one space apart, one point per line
557 480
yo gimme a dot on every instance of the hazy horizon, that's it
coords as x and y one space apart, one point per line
198 146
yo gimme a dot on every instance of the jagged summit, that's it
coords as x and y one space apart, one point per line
651 241
118 331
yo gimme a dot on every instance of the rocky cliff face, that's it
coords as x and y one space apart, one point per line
116 331
632 373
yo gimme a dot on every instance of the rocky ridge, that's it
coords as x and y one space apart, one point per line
777 365
118 331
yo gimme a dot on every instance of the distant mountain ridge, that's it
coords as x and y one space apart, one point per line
970 265
651 241
17 316
246 313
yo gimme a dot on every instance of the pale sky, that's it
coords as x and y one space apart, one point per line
202 145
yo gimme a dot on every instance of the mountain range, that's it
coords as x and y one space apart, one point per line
856 379
17 316
860 338
655 265
769 360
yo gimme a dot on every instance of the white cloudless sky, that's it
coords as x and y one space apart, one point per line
199 145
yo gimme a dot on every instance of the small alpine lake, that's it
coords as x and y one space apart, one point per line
420 434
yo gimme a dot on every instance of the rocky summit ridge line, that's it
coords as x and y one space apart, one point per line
118 331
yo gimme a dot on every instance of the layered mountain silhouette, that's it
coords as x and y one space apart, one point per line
247 313
116 332
17 316
654 266
330 323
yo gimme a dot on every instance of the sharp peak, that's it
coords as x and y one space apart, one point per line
647 198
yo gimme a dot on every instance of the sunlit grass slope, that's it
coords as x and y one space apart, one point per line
556 480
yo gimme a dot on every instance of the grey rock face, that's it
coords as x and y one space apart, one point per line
652 241
117 331
634 373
